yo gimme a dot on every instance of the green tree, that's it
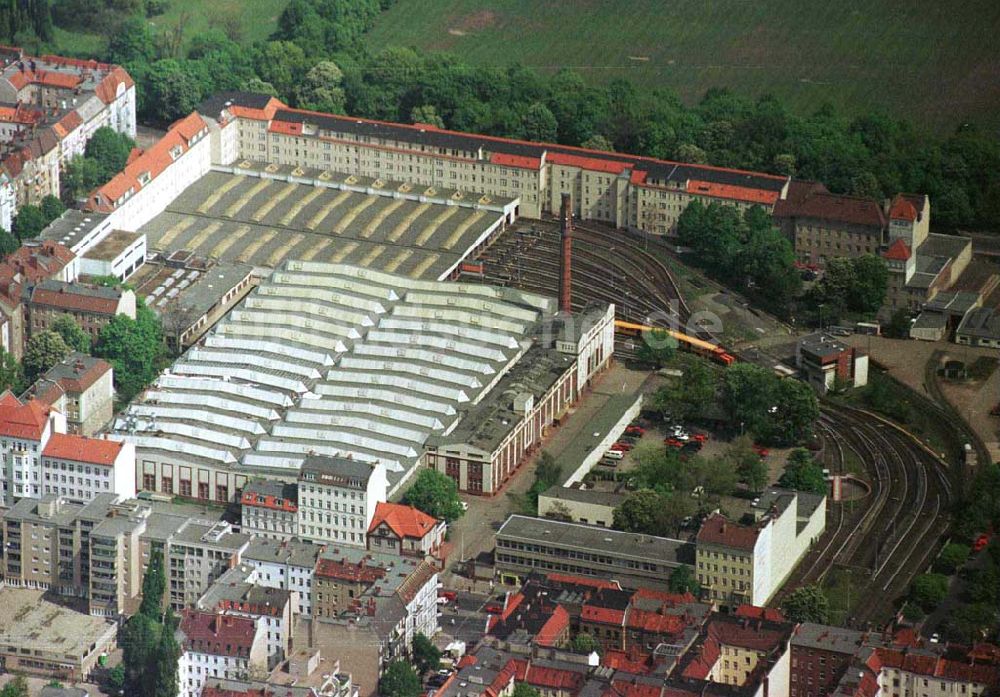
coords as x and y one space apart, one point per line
803 473
171 90
77 339
282 64
747 463
29 221
435 494
523 689
774 411
656 348
131 42
153 584
807 604
18 687
399 680
80 176
8 244
684 398
43 351
322 89
539 124
167 657
597 142
116 679
110 150
140 643
426 114
872 281
585 643
134 348
426 656
52 208
11 374
953 555
972 623
683 580
716 476
928 590
639 512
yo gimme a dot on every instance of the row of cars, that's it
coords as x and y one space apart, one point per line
626 441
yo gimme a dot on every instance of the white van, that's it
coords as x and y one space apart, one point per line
614 454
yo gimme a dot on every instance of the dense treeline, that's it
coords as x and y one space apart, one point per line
21 17
318 59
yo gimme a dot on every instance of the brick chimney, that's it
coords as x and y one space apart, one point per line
565 261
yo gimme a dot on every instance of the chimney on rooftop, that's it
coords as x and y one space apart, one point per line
565 266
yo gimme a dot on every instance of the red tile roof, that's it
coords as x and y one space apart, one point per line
902 209
152 163
897 251
772 614
404 521
592 164
554 626
222 635
935 666
602 615
38 261
583 581
94 451
655 622
107 88
668 599
25 421
520 161
343 570
49 78
717 530
73 297
728 191
823 205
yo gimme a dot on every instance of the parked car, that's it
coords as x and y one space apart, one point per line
980 544
761 450
493 607
622 445
614 454
607 462
448 595
636 430
673 443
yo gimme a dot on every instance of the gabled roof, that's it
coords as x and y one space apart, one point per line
902 209
717 530
554 626
25 421
211 633
404 521
897 251
94 451
77 297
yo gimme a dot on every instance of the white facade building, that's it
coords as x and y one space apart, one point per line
24 430
337 499
285 564
218 646
80 468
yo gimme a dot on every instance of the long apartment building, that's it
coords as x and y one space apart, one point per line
50 107
615 188
100 550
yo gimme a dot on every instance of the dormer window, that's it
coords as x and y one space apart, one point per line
176 152
144 178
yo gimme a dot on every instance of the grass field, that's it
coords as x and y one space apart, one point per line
934 62
256 20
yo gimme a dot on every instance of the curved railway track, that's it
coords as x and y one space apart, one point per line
889 536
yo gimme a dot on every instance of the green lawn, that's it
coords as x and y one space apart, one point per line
254 20
932 61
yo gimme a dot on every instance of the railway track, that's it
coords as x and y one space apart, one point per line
894 532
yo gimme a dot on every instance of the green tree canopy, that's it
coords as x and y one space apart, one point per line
43 351
133 347
110 150
435 494
17 687
683 580
585 643
803 473
523 689
426 656
52 208
775 411
11 374
952 556
807 604
8 244
399 680
928 590
154 582
29 221
77 339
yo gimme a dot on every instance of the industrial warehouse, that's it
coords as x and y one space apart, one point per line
264 214
338 360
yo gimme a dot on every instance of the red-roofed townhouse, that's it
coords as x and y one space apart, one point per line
902 672
605 624
25 429
80 468
268 508
218 646
400 529
90 306
82 388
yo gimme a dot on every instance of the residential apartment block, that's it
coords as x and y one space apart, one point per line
619 189
287 565
82 388
90 306
269 508
50 107
337 498
746 564
218 646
